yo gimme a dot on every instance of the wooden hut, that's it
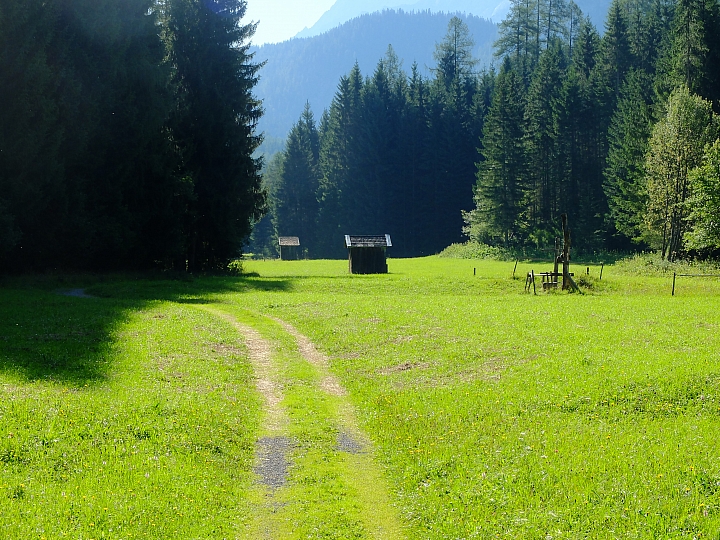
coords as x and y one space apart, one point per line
366 254
289 248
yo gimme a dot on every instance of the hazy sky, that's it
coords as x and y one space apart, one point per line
282 19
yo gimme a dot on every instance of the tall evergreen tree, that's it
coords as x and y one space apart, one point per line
617 53
625 173
295 193
543 148
499 192
416 149
88 168
338 159
214 125
695 48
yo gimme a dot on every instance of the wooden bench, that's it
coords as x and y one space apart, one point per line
549 279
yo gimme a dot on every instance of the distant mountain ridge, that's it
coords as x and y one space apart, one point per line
345 10
309 69
495 10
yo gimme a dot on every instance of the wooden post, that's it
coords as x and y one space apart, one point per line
602 267
533 280
568 281
674 276
514 269
474 271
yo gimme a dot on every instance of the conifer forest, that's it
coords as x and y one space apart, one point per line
615 127
126 134
128 138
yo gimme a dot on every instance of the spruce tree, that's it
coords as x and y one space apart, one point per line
543 148
338 161
214 125
617 54
499 212
295 193
625 173
695 50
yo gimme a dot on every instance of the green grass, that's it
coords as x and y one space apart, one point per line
494 413
121 420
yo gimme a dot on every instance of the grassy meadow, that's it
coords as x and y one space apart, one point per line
493 413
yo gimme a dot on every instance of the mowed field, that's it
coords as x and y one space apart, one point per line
439 401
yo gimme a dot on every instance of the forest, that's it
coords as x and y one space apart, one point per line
618 130
127 129
307 69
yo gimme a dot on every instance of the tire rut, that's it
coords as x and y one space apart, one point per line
272 463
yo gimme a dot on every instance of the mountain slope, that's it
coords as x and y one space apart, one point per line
309 69
345 10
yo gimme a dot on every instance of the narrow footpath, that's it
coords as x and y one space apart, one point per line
316 473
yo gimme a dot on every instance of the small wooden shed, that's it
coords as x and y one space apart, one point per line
289 248
366 254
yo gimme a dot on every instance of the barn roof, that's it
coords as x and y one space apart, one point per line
289 241
368 241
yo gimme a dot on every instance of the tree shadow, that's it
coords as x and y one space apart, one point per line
49 336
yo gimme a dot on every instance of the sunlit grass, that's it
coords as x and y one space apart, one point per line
494 412
502 413
155 444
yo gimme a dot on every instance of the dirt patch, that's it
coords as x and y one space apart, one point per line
407 366
346 443
228 350
329 383
259 352
272 463
332 386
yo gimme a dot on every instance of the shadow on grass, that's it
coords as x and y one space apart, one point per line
49 336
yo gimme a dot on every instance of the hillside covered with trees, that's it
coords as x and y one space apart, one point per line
126 134
618 130
307 70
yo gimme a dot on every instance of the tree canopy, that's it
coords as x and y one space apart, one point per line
126 132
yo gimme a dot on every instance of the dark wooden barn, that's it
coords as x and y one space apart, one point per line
289 248
366 254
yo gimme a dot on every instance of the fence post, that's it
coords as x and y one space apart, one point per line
533 280
674 276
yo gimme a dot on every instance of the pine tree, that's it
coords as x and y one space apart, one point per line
625 173
338 161
499 191
295 193
541 115
214 125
